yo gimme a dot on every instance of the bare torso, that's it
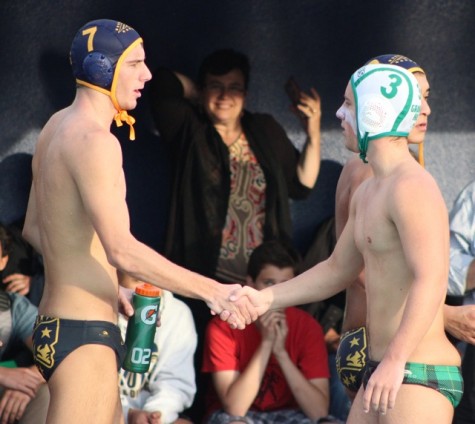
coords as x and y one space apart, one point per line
80 283
388 276
353 174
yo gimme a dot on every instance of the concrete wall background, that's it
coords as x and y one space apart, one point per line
320 42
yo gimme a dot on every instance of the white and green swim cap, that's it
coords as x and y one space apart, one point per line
387 103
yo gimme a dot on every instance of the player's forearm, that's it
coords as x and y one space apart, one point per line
318 283
243 391
313 401
143 263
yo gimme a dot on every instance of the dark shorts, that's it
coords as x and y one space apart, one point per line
55 338
351 358
446 379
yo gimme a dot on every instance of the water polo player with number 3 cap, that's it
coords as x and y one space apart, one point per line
397 231
352 350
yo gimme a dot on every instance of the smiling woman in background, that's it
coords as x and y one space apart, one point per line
233 170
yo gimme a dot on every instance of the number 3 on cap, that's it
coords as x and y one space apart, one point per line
397 80
90 31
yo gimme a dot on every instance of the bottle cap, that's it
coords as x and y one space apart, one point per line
148 290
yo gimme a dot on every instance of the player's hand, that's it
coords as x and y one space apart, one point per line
460 322
383 385
125 304
259 299
236 314
12 406
17 283
125 301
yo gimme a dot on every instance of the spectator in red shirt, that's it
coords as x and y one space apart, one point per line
276 369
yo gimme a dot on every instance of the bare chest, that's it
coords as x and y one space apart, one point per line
375 230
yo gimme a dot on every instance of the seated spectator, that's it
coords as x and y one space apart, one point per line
276 369
18 385
160 395
23 273
462 283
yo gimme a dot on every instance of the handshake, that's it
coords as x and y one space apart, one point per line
238 305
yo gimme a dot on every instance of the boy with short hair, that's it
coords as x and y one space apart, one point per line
276 370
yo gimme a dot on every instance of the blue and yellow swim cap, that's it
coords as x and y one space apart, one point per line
387 103
97 52
398 60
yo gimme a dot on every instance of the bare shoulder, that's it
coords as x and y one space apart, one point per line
414 196
417 184
87 145
78 134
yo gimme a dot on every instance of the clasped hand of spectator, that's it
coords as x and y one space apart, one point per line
26 380
13 405
273 327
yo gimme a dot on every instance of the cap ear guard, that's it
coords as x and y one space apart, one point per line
375 114
98 69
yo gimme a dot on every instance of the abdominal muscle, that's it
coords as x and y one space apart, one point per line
383 323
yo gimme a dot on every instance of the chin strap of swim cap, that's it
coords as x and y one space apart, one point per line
420 155
123 116
363 147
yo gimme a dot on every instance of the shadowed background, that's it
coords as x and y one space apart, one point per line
319 42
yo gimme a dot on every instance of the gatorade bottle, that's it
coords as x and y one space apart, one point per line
141 328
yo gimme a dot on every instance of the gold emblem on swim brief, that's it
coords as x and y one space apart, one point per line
47 338
351 358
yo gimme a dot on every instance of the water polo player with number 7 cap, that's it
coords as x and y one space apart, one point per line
388 102
96 55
